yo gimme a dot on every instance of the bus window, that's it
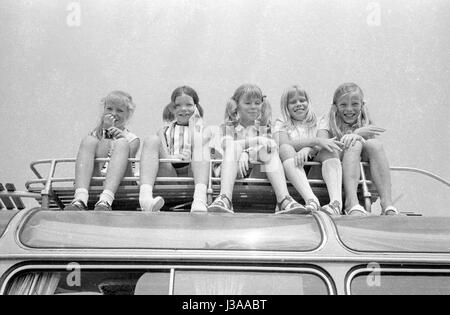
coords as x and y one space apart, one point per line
90 282
248 283
407 282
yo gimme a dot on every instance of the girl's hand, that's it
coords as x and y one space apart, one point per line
369 132
331 145
108 121
186 155
115 133
302 157
244 164
350 140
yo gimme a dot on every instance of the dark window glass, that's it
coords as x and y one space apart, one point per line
247 283
120 282
401 283
57 229
395 234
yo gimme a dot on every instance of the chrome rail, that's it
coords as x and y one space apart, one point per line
46 193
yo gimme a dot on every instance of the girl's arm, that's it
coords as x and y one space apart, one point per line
165 146
283 138
324 141
369 132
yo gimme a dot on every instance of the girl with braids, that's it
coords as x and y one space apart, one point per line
181 139
245 139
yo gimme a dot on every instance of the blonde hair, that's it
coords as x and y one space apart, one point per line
250 91
311 118
114 97
337 125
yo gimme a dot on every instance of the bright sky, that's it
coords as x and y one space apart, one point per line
60 57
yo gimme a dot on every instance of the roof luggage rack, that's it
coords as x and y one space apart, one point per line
250 195
12 199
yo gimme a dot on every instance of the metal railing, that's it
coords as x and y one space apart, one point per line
47 191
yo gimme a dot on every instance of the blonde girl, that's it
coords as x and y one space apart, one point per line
296 134
349 122
245 140
110 139
181 139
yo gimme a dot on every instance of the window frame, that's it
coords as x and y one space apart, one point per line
353 274
318 221
307 269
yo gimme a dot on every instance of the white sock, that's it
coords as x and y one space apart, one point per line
200 192
107 196
82 194
332 174
146 197
297 177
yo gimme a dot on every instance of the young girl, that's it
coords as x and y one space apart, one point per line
110 139
349 122
182 139
297 136
246 139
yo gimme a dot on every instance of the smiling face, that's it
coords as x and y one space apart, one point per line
249 109
183 109
298 106
349 107
115 114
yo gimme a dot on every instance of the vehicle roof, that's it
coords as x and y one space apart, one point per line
39 229
5 217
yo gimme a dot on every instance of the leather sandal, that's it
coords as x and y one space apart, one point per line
222 204
291 207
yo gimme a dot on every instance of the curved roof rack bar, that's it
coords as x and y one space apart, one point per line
422 172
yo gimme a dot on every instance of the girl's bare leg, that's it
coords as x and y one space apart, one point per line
84 169
118 165
295 174
233 151
351 174
150 168
275 174
201 171
379 168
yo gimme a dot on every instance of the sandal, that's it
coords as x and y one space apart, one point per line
333 208
222 204
76 205
312 205
391 211
357 210
292 207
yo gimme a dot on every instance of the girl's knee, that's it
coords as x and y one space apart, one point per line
152 141
122 145
89 142
325 155
286 152
374 146
355 150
